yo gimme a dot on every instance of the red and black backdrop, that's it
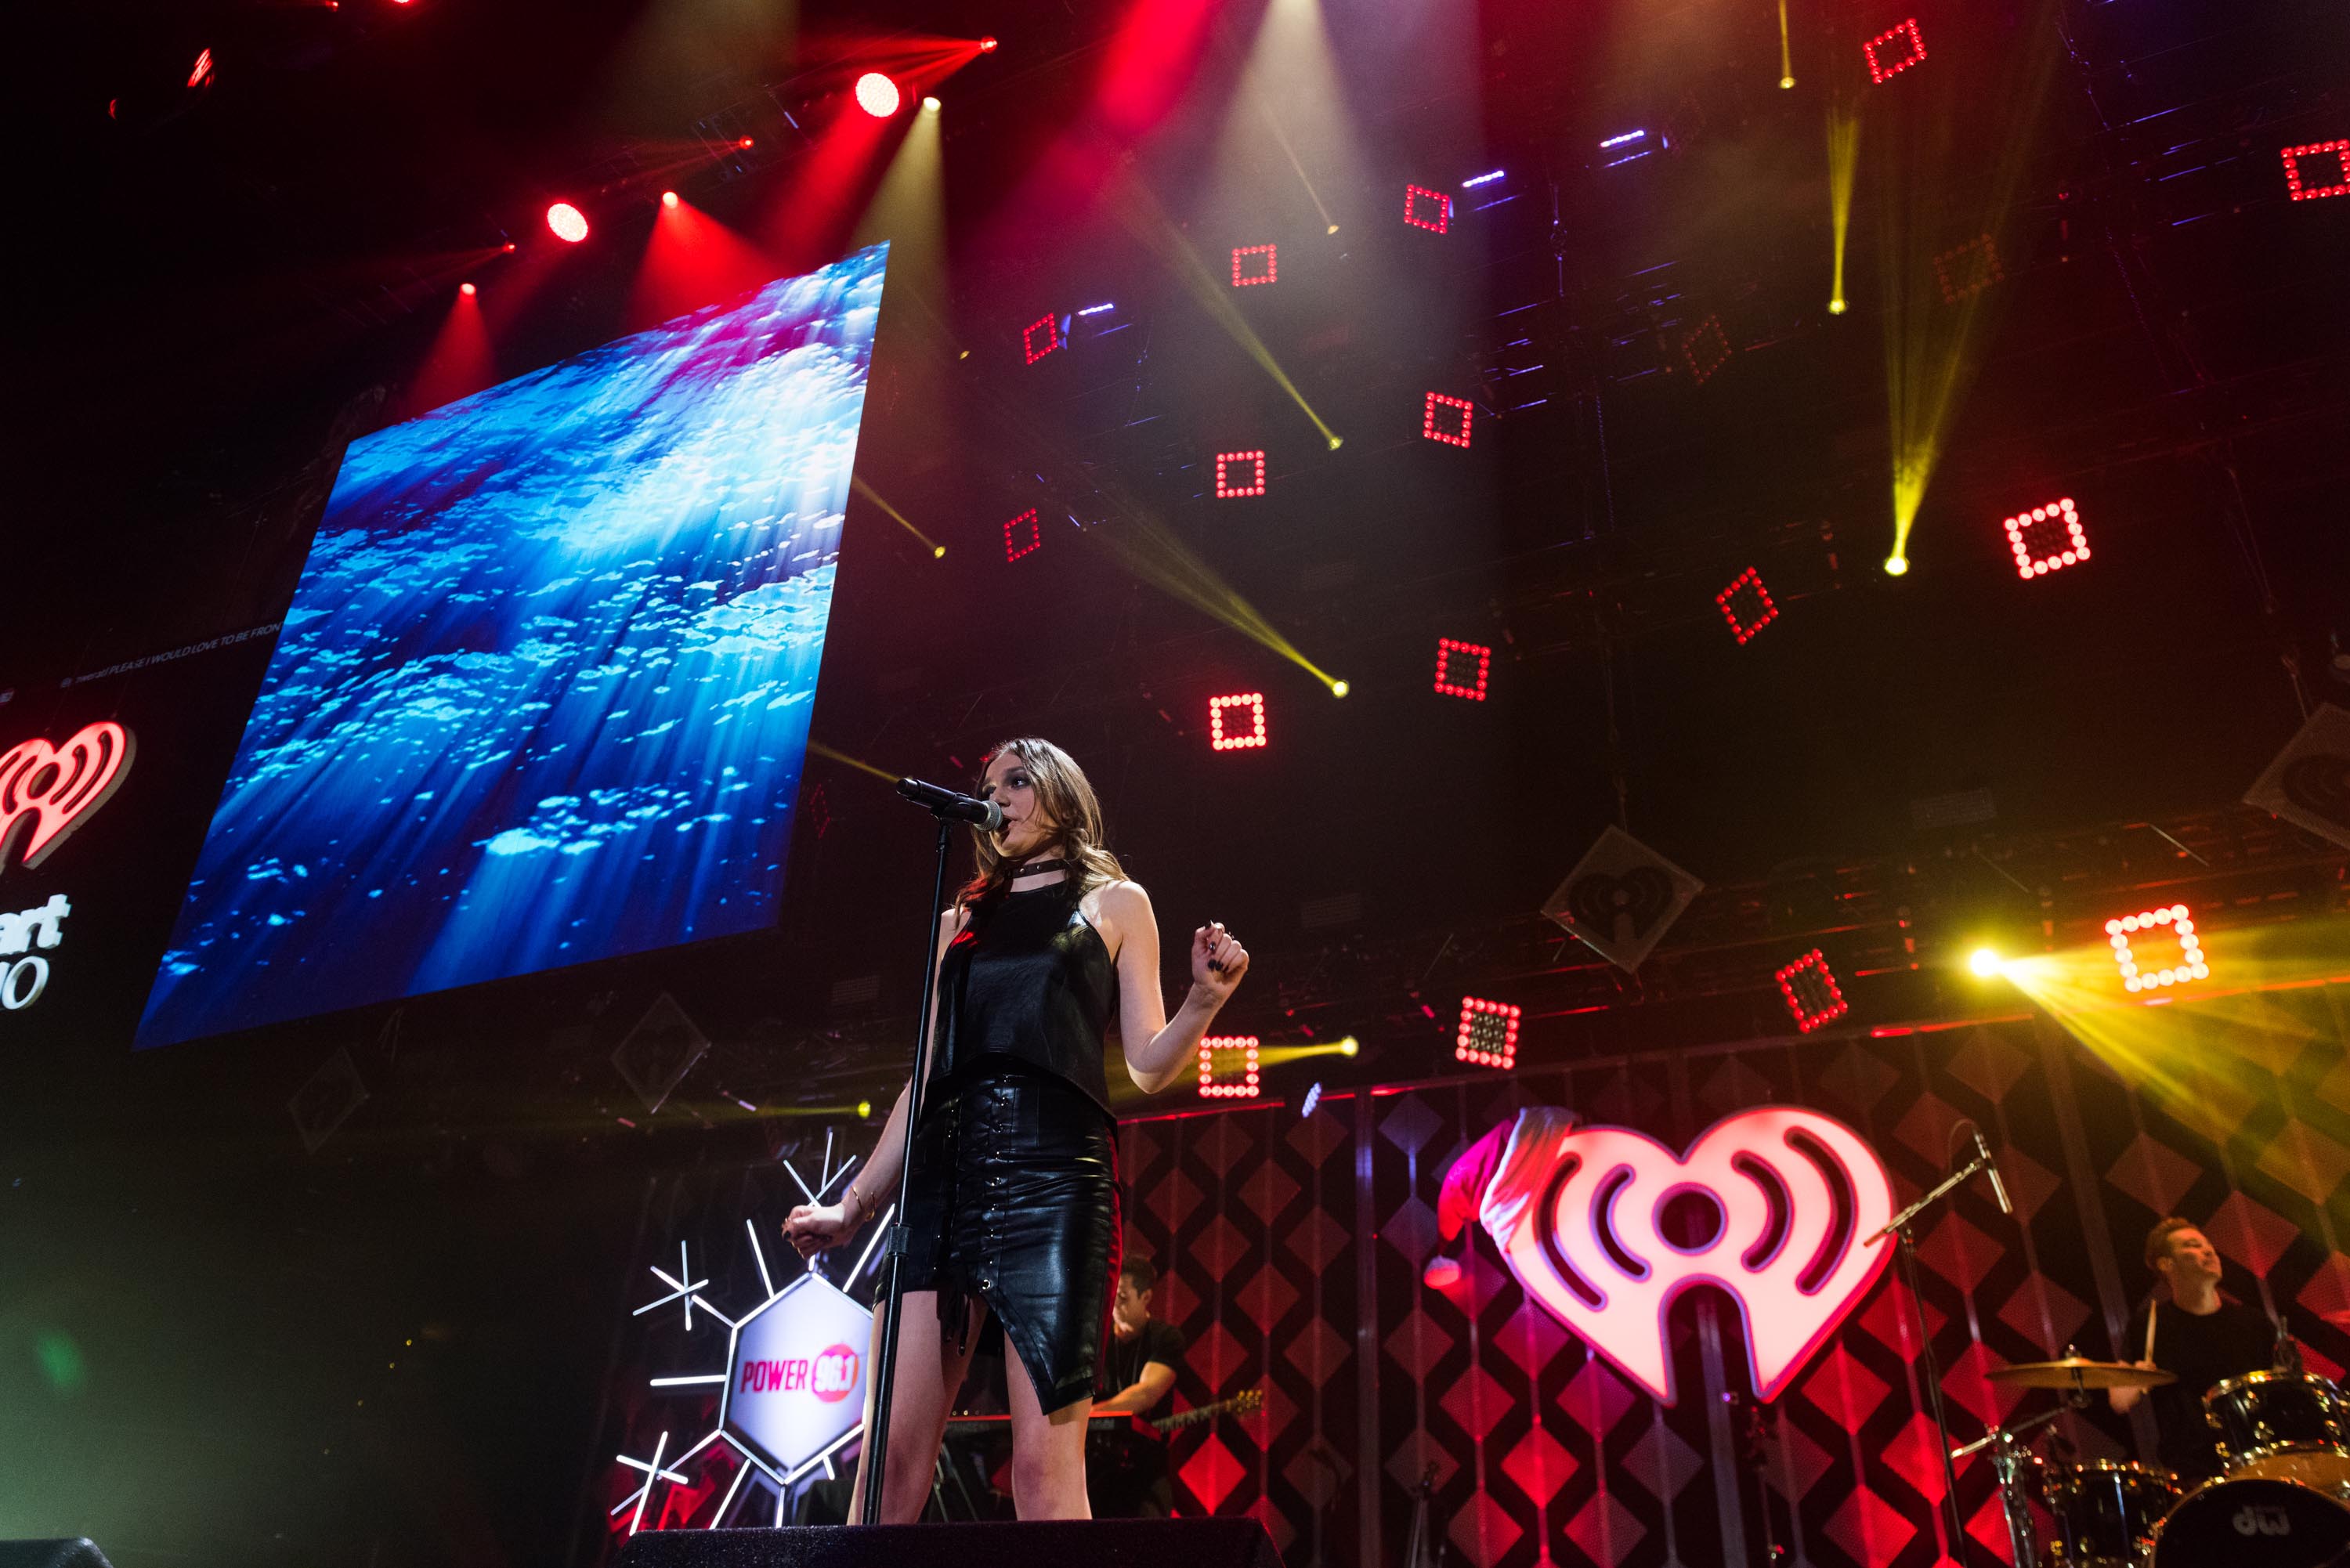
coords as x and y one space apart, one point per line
1292 1248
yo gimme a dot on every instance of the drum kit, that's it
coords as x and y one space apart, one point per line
2281 1500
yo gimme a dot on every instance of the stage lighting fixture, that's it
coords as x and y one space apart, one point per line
745 143
1746 604
1488 1035
876 95
1241 1046
1218 739
1810 990
1418 216
1350 1046
1244 275
2293 180
1707 349
202 71
1897 565
1881 67
1340 689
1835 307
566 222
1625 139
1013 545
1098 309
2190 964
1965 271
2054 531
1787 81
1428 418
468 290
668 197
1048 325
1447 684
1226 488
1985 962
1483 179
987 46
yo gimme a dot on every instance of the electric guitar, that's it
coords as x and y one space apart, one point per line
1239 1404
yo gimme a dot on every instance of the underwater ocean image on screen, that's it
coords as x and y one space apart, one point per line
543 693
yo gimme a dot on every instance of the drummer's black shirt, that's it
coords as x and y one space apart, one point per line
2212 1348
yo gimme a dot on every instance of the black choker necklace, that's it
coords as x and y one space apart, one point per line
1034 868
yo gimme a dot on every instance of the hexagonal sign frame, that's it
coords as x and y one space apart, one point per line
794 1389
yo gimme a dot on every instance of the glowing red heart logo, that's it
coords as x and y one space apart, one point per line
1579 1215
55 787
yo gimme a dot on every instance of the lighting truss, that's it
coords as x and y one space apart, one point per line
2054 532
1810 990
1228 488
1447 684
1218 739
1244 275
1244 1087
1880 67
1418 216
1013 546
1051 326
1965 271
1428 418
2135 977
2301 191
1488 1035
1746 604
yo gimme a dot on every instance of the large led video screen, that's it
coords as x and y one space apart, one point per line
542 696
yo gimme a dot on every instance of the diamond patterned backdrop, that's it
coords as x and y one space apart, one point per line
1294 1249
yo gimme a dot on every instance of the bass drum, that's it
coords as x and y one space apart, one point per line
2253 1523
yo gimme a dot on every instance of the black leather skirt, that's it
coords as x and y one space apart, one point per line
1014 1201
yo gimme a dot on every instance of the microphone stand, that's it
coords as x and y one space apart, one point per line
893 1252
1898 1228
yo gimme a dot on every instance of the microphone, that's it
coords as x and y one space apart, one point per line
1998 1188
946 803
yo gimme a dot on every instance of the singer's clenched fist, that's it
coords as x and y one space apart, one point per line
813 1227
1218 960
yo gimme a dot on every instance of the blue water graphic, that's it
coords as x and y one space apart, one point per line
543 693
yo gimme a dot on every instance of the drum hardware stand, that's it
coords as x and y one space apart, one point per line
2009 1455
892 1299
1907 1251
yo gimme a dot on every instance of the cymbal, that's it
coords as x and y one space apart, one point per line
2074 1372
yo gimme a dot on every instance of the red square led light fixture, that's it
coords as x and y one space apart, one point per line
1746 604
1707 349
1965 271
1233 478
1432 423
2130 931
1247 269
1017 542
1454 661
1810 990
1224 734
1488 1035
1239 1052
2298 188
1895 50
2047 539
1427 209
1030 344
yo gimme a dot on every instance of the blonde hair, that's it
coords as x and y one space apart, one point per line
1068 797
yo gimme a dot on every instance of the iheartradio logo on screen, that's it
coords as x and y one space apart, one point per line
830 1374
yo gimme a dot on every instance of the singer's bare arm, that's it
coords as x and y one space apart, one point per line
1158 1049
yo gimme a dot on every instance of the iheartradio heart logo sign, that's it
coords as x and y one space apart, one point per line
1605 1226
55 787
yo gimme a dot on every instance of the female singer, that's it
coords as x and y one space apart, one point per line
1014 1205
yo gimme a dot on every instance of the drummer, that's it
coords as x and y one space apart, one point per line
2198 1334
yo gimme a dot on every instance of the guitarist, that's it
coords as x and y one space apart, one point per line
1138 1370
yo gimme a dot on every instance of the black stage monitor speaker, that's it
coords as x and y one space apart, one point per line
1057 1543
52 1554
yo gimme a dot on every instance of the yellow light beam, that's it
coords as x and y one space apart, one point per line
866 491
821 750
1149 550
1843 164
1274 1055
1786 58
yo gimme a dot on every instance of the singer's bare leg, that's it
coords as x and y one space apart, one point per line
1048 1452
929 1374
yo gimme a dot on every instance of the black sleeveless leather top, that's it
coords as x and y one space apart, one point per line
1028 978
